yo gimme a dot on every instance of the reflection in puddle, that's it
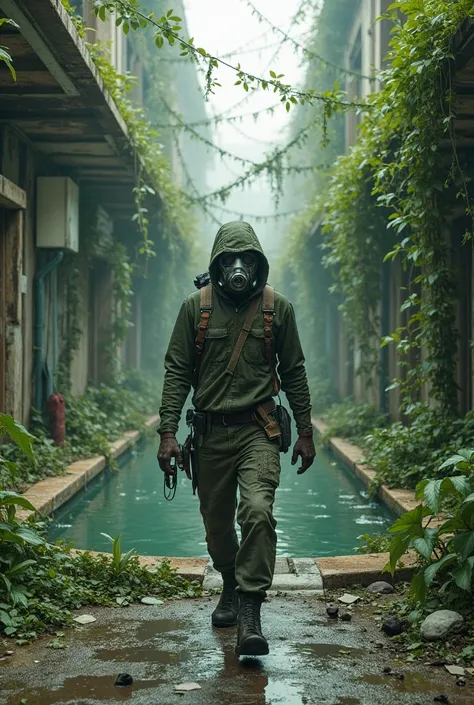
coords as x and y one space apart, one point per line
98 688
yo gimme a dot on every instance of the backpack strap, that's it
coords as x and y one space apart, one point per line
206 310
243 335
268 309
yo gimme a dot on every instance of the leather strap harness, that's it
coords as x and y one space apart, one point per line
268 309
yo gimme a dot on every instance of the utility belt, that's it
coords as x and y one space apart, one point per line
273 418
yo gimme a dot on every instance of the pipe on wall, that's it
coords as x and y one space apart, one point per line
38 355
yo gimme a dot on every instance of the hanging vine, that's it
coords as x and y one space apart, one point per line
392 195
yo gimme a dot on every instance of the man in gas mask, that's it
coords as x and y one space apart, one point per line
230 341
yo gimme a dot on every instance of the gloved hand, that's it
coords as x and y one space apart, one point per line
304 448
169 449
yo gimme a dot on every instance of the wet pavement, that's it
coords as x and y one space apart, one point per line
313 660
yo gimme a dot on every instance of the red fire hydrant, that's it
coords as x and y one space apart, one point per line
57 410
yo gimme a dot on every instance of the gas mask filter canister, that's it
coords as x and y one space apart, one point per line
238 272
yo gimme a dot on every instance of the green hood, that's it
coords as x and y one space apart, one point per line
238 236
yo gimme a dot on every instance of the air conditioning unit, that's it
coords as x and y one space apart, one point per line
57 213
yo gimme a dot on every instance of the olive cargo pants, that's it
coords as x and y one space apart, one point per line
231 458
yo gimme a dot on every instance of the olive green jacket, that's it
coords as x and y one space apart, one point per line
251 383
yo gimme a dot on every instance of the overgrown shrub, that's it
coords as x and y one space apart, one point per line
102 415
41 583
445 541
352 421
403 454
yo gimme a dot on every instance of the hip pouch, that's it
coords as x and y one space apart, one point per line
283 420
277 425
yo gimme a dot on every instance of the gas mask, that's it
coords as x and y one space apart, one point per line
238 272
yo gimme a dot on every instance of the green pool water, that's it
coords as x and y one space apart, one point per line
321 513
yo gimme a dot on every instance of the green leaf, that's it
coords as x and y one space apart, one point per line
432 494
463 544
202 51
418 587
460 483
411 522
18 433
463 575
20 568
159 41
469 498
453 460
398 547
432 570
8 499
426 544
30 536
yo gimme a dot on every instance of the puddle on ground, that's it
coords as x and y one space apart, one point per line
284 693
417 683
136 654
322 651
149 629
85 687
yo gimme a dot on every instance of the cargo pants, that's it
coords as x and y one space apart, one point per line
231 458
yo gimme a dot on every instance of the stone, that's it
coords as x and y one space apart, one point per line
332 611
348 599
151 601
85 619
123 680
440 624
455 670
392 626
380 588
442 698
186 687
346 617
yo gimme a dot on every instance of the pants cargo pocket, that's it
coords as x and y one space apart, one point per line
268 469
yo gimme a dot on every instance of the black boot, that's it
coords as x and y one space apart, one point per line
250 640
225 614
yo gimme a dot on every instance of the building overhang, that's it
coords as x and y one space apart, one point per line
60 105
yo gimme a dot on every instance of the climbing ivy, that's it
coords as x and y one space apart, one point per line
398 173
300 270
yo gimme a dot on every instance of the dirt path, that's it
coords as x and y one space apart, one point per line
313 660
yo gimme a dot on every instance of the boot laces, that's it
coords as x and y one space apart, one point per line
227 596
251 616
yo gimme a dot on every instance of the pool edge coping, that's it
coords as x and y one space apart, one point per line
336 571
50 494
397 500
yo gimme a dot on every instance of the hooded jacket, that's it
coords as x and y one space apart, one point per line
251 383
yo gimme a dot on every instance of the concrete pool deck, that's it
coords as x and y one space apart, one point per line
309 575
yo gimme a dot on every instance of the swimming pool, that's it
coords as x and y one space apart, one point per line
321 513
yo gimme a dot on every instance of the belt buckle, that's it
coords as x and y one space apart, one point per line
223 421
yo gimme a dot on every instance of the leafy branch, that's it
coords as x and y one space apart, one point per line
167 28
4 51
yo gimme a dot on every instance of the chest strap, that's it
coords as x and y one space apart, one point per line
206 310
268 309
243 335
